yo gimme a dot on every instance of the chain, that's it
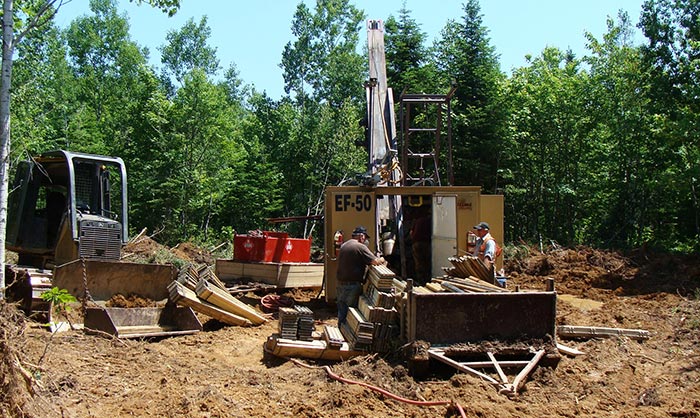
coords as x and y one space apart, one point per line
88 296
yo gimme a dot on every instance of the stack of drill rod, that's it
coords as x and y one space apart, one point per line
381 277
466 266
357 331
374 313
296 323
379 298
288 323
306 323
373 323
334 339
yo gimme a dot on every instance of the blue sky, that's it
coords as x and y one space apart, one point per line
252 34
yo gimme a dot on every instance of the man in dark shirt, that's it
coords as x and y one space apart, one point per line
353 258
421 234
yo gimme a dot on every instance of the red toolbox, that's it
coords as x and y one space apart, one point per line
270 246
293 250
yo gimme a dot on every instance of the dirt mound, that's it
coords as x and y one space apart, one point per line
147 250
143 250
130 301
585 271
192 253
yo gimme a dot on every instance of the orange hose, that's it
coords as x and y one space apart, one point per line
380 390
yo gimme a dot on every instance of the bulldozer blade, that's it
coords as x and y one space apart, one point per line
104 279
100 281
142 322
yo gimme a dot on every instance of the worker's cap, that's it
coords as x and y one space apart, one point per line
482 225
360 230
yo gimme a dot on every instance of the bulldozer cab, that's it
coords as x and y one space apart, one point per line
66 205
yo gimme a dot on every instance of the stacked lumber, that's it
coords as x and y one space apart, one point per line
225 301
466 266
201 290
357 331
190 275
183 296
464 285
334 338
206 273
296 323
374 313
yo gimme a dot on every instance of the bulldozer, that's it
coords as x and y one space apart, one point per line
68 222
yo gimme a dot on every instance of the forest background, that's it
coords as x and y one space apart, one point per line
600 149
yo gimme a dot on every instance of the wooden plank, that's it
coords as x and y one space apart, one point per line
569 351
489 364
573 331
316 349
283 275
437 355
520 378
186 297
502 375
228 270
225 301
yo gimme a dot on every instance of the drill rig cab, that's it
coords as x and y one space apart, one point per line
65 206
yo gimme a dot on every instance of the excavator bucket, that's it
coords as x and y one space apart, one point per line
131 298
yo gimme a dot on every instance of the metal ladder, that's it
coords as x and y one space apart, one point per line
422 167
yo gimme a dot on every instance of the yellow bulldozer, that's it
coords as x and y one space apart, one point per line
67 222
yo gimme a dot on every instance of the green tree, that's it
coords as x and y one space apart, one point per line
624 185
312 145
545 164
672 29
107 66
187 49
29 17
44 93
323 57
200 142
465 56
408 60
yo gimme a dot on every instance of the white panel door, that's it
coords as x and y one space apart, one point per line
444 232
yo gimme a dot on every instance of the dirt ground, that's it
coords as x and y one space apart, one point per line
223 371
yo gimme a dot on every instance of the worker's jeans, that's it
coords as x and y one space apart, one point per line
348 295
